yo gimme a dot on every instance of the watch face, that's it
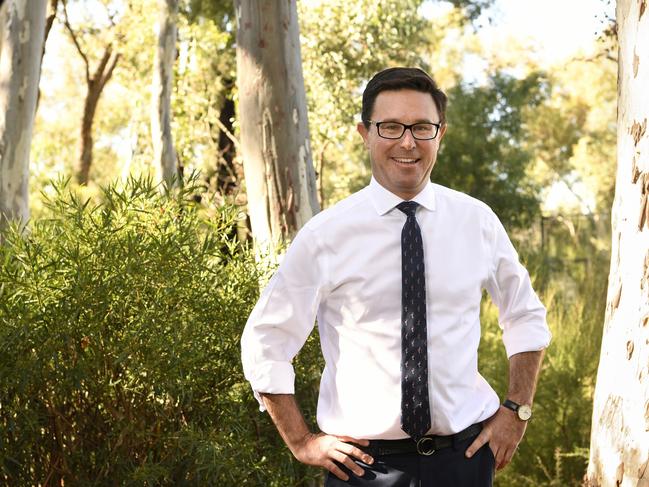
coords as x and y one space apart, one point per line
524 412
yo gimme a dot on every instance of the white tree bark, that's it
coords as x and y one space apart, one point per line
3 21
20 60
619 450
279 175
165 55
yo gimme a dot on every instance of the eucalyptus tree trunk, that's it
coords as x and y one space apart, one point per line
3 21
279 175
619 449
23 29
165 55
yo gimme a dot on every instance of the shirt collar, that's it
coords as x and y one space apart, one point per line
383 200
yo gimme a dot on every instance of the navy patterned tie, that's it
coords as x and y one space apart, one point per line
415 410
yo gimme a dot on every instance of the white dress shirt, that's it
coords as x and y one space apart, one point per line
344 268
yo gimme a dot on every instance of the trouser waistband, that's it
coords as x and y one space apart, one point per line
426 445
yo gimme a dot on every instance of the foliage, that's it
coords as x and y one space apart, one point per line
121 125
482 153
120 343
473 8
584 100
119 336
343 45
554 451
79 274
219 11
202 81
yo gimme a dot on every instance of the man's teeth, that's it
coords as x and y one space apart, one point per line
405 161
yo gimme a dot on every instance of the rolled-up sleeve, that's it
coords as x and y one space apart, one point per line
282 319
522 316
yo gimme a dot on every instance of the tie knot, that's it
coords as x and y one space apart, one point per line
408 207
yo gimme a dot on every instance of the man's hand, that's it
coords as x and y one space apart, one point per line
504 432
319 450
323 450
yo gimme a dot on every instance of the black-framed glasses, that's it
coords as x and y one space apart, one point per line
395 130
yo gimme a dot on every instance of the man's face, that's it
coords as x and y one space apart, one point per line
402 166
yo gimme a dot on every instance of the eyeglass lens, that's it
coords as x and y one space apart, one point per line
395 130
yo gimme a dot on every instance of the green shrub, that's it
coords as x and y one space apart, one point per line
120 363
119 347
554 451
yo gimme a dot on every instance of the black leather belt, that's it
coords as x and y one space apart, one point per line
427 445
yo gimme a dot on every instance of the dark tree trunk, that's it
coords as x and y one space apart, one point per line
227 177
96 86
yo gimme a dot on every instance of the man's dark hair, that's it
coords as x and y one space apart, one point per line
402 79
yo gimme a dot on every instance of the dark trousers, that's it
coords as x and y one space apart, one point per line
447 467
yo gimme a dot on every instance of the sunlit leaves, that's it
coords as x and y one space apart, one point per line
483 152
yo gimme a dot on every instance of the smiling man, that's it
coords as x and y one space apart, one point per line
394 275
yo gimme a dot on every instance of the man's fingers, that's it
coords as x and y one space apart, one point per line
357 453
482 438
343 459
504 458
335 469
499 457
334 452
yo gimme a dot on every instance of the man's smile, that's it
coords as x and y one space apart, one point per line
405 160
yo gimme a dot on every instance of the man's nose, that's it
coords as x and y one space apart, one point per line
407 140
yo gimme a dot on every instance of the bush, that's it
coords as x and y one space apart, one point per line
120 365
119 342
554 451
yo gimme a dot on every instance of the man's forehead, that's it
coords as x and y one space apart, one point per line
409 104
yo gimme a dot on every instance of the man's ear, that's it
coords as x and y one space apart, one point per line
364 133
442 131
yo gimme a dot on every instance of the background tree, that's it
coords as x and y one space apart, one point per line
3 12
483 153
280 179
204 108
164 154
343 45
620 431
541 126
95 83
20 64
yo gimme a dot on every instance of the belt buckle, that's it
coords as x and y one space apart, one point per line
422 449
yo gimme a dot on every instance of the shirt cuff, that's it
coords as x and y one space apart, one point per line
526 337
272 378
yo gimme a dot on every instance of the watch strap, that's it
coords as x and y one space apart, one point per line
511 405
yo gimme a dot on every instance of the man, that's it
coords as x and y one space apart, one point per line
394 275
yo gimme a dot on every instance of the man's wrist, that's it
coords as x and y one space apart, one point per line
521 397
298 442
523 411
286 415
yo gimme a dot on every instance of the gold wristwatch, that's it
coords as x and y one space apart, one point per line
523 411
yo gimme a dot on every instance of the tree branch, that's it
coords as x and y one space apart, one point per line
50 20
106 76
594 58
54 4
229 134
75 41
99 71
